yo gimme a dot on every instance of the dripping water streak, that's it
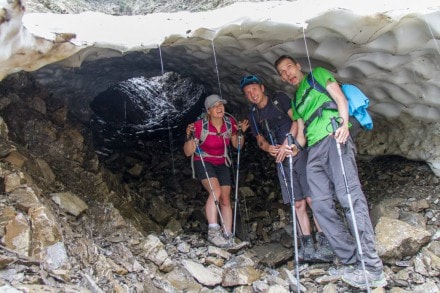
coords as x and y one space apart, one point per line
161 61
170 133
171 140
216 68
307 49
125 111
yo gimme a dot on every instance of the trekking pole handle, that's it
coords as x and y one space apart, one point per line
239 137
290 139
334 124
189 132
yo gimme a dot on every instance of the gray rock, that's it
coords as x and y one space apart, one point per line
428 287
56 256
69 202
160 211
246 191
414 219
244 275
182 281
18 235
45 170
397 239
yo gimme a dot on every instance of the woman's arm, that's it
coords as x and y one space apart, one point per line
190 146
243 125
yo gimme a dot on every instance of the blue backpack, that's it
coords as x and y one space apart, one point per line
358 103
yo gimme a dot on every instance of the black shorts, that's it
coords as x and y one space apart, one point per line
221 172
301 188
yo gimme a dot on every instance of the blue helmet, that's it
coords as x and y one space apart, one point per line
250 79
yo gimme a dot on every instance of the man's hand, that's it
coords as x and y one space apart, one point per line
342 134
292 150
273 150
286 151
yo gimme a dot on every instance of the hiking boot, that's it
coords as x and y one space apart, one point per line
341 270
307 251
324 251
215 236
228 236
356 279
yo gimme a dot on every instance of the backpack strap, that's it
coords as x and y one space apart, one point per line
204 134
228 123
357 104
326 105
205 130
228 135
254 110
317 86
318 112
274 101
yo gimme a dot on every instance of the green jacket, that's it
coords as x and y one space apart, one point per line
304 106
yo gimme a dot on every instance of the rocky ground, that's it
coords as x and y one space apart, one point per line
71 221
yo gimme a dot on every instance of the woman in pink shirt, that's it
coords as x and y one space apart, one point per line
207 139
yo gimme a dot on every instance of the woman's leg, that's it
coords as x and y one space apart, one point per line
225 207
215 235
210 207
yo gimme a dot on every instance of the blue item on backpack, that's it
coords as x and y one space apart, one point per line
358 102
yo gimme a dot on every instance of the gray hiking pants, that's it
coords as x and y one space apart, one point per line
327 184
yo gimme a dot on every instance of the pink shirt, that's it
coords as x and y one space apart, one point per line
214 144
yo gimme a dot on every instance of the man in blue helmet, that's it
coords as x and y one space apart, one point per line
271 118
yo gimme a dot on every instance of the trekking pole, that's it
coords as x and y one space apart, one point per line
210 186
335 126
280 166
295 222
290 141
240 133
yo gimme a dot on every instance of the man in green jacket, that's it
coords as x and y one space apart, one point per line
325 174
